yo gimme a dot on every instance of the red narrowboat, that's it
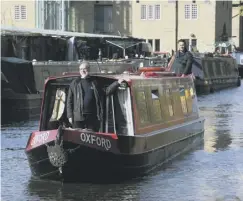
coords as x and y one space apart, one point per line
150 119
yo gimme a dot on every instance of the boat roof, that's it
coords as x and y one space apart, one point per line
9 30
14 60
126 76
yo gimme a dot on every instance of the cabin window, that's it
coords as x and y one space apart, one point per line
155 94
218 70
205 69
169 101
142 107
156 107
110 117
188 95
183 100
227 67
118 118
55 111
210 68
224 70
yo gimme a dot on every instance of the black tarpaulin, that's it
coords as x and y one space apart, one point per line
197 68
7 49
19 73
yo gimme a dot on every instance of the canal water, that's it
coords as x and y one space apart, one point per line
212 172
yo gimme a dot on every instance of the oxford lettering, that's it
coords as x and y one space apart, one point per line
95 140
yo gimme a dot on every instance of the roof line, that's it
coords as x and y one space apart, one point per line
7 29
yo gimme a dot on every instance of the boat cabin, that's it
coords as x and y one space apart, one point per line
146 103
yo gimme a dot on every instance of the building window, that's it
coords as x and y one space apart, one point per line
194 45
187 11
191 11
143 12
110 14
157 12
157 45
194 42
150 12
151 42
110 27
103 19
17 12
20 12
194 11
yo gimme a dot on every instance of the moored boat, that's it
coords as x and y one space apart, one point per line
19 98
149 120
213 73
238 55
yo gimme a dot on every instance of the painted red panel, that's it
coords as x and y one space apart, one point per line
39 138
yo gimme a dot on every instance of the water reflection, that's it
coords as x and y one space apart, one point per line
22 123
222 126
218 127
44 190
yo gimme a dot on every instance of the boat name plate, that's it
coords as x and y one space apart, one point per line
96 140
40 138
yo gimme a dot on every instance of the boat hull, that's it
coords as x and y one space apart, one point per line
19 107
134 156
240 67
217 84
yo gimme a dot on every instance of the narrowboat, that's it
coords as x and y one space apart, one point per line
19 98
238 55
150 119
214 73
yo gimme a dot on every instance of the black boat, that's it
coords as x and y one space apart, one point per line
238 55
151 119
213 73
19 98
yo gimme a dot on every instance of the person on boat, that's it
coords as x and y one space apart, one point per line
84 104
182 61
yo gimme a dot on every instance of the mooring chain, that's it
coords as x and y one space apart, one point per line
56 153
58 156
